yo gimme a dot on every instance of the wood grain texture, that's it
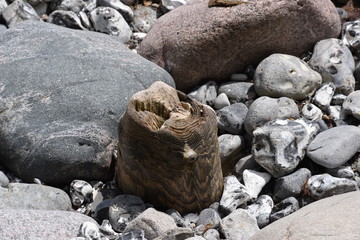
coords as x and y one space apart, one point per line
168 150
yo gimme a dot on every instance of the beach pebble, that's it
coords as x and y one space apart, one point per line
323 96
351 105
351 34
284 208
176 233
179 220
261 210
108 20
81 192
144 18
234 195
85 20
206 94
342 14
290 185
239 77
265 109
19 11
335 112
231 118
66 19
238 91
247 162
325 185
334 61
168 5
311 112
294 78
255 181
280 145
72 5
230 150
335 146
338 99
208 218
123 9
136 234
240 224
212 234
221 101
342 172
4 180
3 5
90 231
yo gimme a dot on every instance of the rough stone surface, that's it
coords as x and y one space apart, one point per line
265 109
255 181
311 112
323 96
335 146
284 208
294 78
332 218
261 210
351 105
17 12
238 91
66 19
40 224
231 118
152 222
62 92
221 41
230 150
176 234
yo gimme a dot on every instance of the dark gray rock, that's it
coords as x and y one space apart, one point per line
62 93
342 172
17 12
334 61
144 18
291 185
311 112
234 195
179 220
238 91
280 145
265 109
176 234
123 209
81 192
247 162
261 210
4 180
351 105
325 185
351 34
206 94
230 150
338 99
40 224
239 225
231 118
33 197
334 147
254 181
124 10
284 208
221 101
208 218
323 96
73 5
294 78
136 234
66 19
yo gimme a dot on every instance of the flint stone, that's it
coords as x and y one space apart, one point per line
335 146
294 78
191 219
239 225
231 118
311 112
234 195
334 61
90 230
169 5
280 145
338 99
136 234
325 185
230 149
238 91
40 224
202 34
4 180
3 5
152 222
176 234
80 192
179 220
284 208
351 34
206 94
196 238
33 197
247 162
17 12
124 10
335 112
261 210
291 185
332 218
72 5
323 96
255 181
108 20
123 209
342 172
208 218
144 18
221 101
66 19
45 129
351 105
85 20
212 234
265 109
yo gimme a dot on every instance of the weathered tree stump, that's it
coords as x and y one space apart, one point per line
168 150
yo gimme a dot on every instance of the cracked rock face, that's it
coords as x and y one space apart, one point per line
280 145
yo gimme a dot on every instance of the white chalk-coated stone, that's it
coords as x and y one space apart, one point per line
261 210
323 95
311 112
221 101
255 181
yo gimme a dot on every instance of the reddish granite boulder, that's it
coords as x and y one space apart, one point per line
196 43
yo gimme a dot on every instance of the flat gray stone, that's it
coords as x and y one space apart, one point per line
329 219
62 92
238 91
231 118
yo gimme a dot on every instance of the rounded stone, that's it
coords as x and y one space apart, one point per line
238 91
231 118
282 75
4 180
351 105
221 101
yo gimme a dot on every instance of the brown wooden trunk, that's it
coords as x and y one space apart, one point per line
168 150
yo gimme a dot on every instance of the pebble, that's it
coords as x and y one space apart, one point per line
144 18
238 91
212 234
66 19
123 9
74 6
239 77
338 99
90 231
234 195
280 145
335 112
176 233
324 185
19 11
261 210
291 185
221 101
265 109
208 218
231 118
323 96
230 147
255 181
3 5
284 208
342 172
351 105
136 234
4 180
334 61
179 220
351 34
294 78
335 146
343 14
168 5
247 162
206 94
311 112
81 192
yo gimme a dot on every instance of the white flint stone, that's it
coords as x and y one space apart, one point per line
90 231
123 9
172 4
351 105
206 94
335 112
3 5
19 11
234 195
85 20
221 101
139 36
239 77
255 181
311 112
351 34
80 192
324 95
66 19
338 99
261 209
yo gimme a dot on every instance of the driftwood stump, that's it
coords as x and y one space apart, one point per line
168 150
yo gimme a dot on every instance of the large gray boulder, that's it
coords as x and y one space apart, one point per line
332 218
196 42
62 92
